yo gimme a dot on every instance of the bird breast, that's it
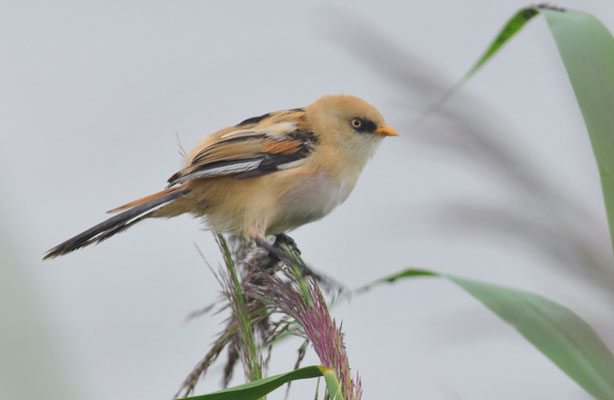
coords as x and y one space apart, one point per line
310 201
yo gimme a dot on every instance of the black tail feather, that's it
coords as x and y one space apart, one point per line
113 225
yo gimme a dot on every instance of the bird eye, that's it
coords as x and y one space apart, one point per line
356 123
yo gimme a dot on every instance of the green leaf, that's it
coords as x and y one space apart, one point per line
512 26
555 330
587 50
257 389
510 29
332 383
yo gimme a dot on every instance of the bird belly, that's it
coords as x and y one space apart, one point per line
310 201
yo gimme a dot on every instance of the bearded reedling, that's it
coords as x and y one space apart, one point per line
265 176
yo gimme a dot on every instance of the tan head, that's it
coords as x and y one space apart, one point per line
348 123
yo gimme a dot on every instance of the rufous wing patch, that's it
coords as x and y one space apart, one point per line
285 147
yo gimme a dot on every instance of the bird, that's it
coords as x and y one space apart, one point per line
265 176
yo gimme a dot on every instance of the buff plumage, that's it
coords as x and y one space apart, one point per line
264 176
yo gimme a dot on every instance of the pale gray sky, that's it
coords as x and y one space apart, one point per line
93 94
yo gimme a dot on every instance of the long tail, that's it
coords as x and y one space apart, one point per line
135 211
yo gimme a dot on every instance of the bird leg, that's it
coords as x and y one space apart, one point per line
282 238
277 252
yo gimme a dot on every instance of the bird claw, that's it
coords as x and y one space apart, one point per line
282 238
278 253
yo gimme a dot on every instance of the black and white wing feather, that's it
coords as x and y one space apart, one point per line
258 146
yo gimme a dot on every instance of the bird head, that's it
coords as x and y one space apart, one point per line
350 124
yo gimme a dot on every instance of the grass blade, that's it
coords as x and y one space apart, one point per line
587 50
513 25
236 297
516 23
556 331
257 389
333 386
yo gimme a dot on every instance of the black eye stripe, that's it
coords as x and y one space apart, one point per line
366 126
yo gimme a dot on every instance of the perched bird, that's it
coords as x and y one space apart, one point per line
264 176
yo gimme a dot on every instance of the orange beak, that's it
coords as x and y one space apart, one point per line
386 131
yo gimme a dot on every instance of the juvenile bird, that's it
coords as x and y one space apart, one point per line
264 176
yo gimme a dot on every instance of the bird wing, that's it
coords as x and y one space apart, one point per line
258 146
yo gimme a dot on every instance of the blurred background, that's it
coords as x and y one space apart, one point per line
500 184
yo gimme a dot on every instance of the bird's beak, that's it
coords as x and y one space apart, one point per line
386 131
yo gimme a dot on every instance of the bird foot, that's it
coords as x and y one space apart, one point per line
277 253
282 238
